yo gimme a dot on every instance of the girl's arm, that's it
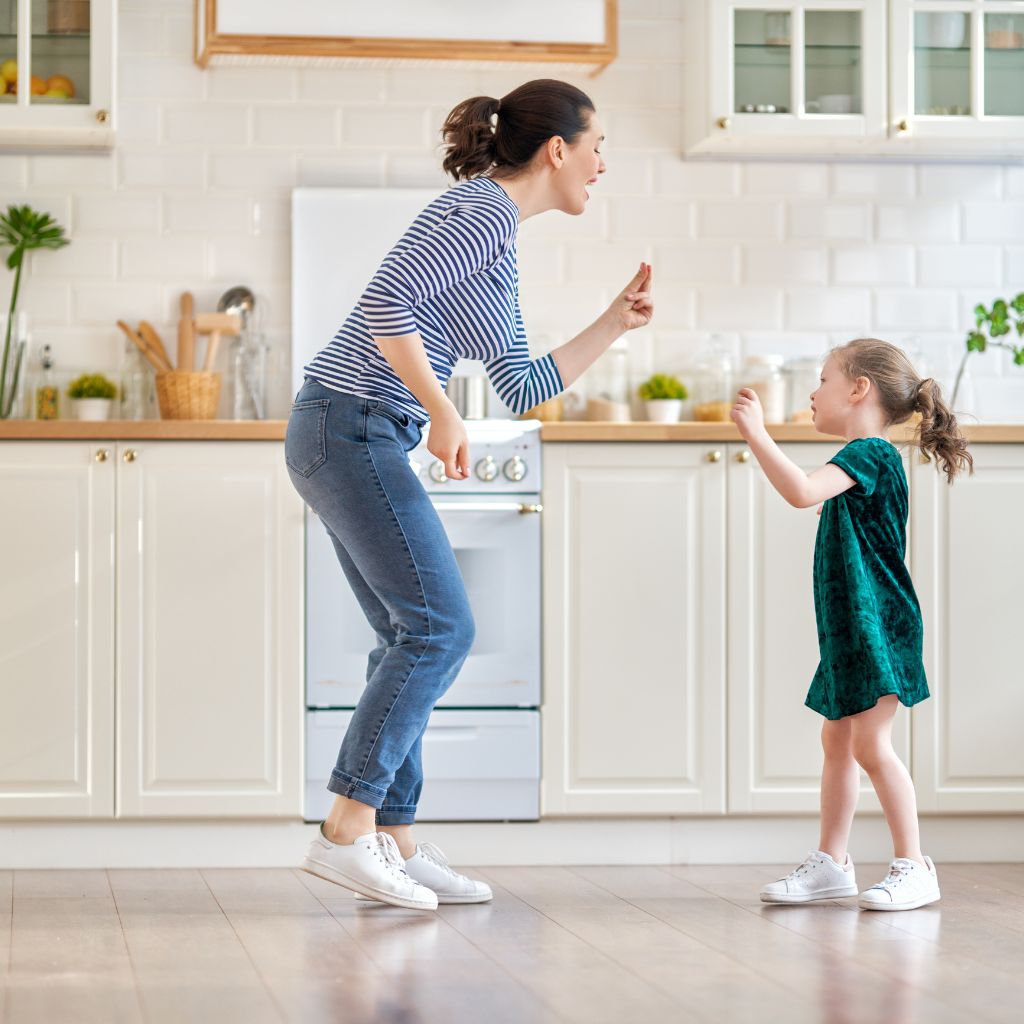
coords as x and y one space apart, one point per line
800 489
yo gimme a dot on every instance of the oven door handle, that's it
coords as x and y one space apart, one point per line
488 506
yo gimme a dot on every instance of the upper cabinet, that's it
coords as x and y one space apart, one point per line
899 78
534 30
57 67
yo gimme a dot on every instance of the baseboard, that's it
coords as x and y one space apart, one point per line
733 840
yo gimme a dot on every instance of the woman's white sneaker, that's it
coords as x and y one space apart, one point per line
430 867
907 887
819 877
371 867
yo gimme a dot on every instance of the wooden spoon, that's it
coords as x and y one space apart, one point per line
156 345
137 341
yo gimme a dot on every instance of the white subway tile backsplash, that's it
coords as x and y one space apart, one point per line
252 169
758 309
646 127
785 266
650 41
205 124
1001 221
176 169
83 258
414 171
917 222
364 170
743 220
105 304
261 259
13 171
1015 182
343 85
1015 269
878 265
959 266
93 170
296 125
251 85
137 124
394 127
611 263
914 309
160 78
651 218
963 181
139 32
422 85
828 309
178 34
785 180
203 214
690 180
828 222
115 214
695 264
169 256
873 181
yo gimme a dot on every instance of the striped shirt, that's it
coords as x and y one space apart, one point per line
452 278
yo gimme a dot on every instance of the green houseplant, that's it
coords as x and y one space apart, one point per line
93 395
22 229
1002 319
663 396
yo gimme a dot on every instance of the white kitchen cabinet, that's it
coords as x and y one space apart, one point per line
888 78
968 553
66 68
774 740
209 626
634 629
56 630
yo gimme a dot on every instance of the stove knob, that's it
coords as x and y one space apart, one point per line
437 473
487 469
515 469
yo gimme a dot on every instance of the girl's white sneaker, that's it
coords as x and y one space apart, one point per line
371 867
430 867
907 887
819 877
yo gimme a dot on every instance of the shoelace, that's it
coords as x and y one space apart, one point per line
387 848
811 859
432 853
899 869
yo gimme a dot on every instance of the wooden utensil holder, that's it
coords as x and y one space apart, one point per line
188 396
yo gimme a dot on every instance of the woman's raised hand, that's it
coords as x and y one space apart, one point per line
449 442
634 306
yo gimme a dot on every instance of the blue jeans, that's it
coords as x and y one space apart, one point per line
348 458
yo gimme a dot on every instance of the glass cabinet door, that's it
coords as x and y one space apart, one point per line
56 71
813 70
958 69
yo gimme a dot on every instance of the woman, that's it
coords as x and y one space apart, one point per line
448 290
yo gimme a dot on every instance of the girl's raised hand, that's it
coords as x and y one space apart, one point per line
634 306
747 413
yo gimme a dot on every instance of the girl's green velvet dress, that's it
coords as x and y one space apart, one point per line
869 619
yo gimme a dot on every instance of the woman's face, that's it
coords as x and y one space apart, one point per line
580 168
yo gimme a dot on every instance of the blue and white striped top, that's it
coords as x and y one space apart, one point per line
452 278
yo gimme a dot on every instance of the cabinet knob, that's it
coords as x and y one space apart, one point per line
102 454
130 455
714 456
903 126
102 116
723 123
743 457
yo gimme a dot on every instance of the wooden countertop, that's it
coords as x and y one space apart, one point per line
273 430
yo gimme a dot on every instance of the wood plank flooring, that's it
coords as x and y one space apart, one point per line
586 944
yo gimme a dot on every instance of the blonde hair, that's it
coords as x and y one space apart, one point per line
902 393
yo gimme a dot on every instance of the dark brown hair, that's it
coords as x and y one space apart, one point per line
902 393
526 118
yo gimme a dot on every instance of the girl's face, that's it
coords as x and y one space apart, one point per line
832 399
581 165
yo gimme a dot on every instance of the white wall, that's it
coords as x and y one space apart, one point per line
777 257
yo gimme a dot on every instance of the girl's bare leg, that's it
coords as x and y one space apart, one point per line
840 787
872 747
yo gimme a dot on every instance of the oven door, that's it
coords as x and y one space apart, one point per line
496 540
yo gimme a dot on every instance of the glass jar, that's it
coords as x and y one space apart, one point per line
763 374
46 400
248 367
608 385
713 390
803 377
136 385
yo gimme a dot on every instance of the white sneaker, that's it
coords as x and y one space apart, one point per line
906 887
371 866
818 878
430 867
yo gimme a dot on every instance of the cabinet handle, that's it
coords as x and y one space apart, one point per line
743 457
525 510
102 116
714 456
130 455
102 454
723 123
903 126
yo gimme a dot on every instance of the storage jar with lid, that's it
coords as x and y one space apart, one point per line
713 392
763 374
803 377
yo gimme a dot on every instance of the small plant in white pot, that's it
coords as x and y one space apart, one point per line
663 396
92 395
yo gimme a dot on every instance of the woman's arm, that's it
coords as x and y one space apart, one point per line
632 307
800 489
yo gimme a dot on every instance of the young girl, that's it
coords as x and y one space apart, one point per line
869 620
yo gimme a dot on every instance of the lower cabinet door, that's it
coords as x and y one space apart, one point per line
209 613
56 630
477 765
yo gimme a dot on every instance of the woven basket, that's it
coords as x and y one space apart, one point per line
188 396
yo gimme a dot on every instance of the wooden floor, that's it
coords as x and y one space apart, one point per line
625 945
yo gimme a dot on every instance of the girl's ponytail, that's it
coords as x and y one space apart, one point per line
469 137
939 435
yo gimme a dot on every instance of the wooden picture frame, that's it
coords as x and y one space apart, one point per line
581 31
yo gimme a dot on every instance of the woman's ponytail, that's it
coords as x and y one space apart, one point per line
468 135
939 435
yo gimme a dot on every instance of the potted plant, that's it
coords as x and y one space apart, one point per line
23 229
663 396
1002 319
92 394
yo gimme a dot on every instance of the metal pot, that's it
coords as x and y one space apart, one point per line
469 396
